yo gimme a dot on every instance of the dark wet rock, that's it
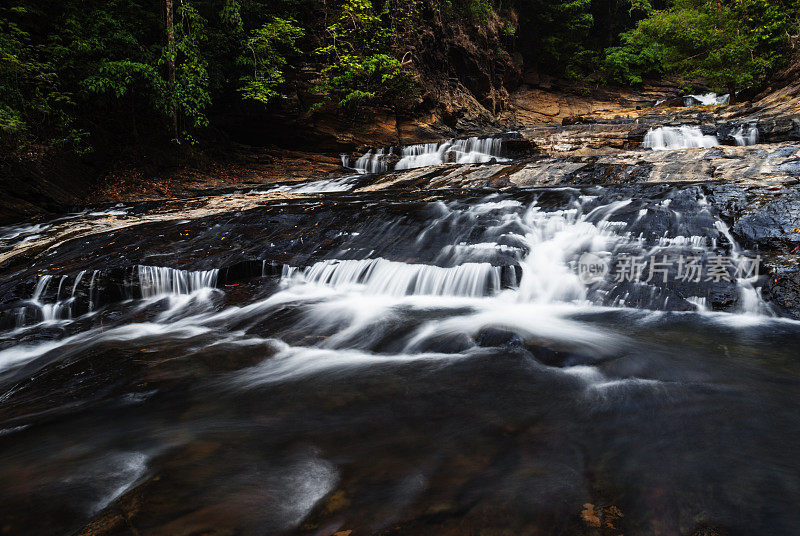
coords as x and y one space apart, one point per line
794 134
782 290
722 297
773 225
492 337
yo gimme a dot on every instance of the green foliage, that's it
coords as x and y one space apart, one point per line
268 47
362 52
479 10
83 73
190 95
732 44
31 101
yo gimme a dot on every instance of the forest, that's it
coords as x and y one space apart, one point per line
90 75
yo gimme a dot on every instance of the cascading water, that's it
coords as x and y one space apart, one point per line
473 150
160 280
745 135
376 348
61 306
373 161
682 137
706 99
469 151
379 276
341 184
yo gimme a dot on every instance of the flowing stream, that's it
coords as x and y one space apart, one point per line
472 150
463 361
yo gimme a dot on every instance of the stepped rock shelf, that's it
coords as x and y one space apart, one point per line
417 350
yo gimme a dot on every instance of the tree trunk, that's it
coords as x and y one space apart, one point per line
170 27
731 94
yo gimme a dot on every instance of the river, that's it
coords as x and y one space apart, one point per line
394 362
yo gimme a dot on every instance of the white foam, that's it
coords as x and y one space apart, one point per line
745 135
467 151
380 276
682 137
341 184
707 99
160 280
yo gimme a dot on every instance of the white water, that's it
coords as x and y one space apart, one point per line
745 135
751 302
370 162
162 281
155 281
682 137
23 232
61 306
468 151
341 184
380 276
707 99
460 151
351 304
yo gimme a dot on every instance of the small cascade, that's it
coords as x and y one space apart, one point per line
159 280
373 161
746 276
682 137
467 151
381 276
341 184
473 150
51 306
706 99
745 135
41 287
92 282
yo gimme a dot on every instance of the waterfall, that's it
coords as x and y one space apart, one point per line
49 311
467 151
370 162
682 137
58 308
751 301
473 150
380 276
160 280
706 99
745 135
91 290
41 287
53 303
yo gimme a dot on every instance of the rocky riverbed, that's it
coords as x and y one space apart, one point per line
566 332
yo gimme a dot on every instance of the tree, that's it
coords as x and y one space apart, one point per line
364 56
33 101
732 44
265 58
169 25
